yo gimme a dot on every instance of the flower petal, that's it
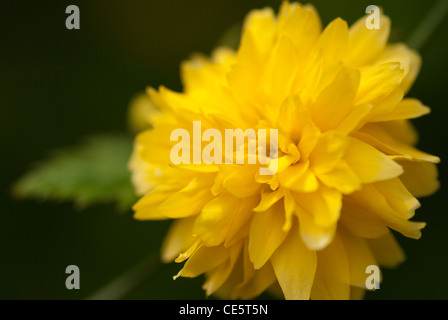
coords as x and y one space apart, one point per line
186 202
279 76
419 177
378 82
239 180
341 178
328 152
353 119
409 60
203 260
407 109
295 267
369 164
255 281
359 257
365 45
335 101
386 250
323 205
146 207
360 222
256 42
269 198
390 138
380 205
222 217
313 235
179 239
298 177
217 277
333 42
301 24
263 240
332 274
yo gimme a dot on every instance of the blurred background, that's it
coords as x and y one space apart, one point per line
58 86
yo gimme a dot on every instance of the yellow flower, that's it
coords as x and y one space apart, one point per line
348 170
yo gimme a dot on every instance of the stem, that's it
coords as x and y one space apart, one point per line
428 25
125 283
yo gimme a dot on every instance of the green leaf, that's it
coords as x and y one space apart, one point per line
93 172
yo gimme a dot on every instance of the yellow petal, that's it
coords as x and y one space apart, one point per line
269 198
328 152
308 140
289 203
279 76
188 201
323 206
420 178
187 253
335 101
359 257
341 178
409 60
146 207
333 41
261 25
402 131
360 222
239 180
255 281
301 24
261 281
295 267
264 240
379 82
140 112
407 109
309 77
179 238
203 260
398 197
380 205
370 164
234 279
313 235
199 167
201 74
143 173
298 177
177 102
156 139
393 138
256 42
292 118
353 119
365 45
217 277
217 217
332 274
386 250
383 106
240 224
281 163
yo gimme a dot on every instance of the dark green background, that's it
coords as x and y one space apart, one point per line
58 86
